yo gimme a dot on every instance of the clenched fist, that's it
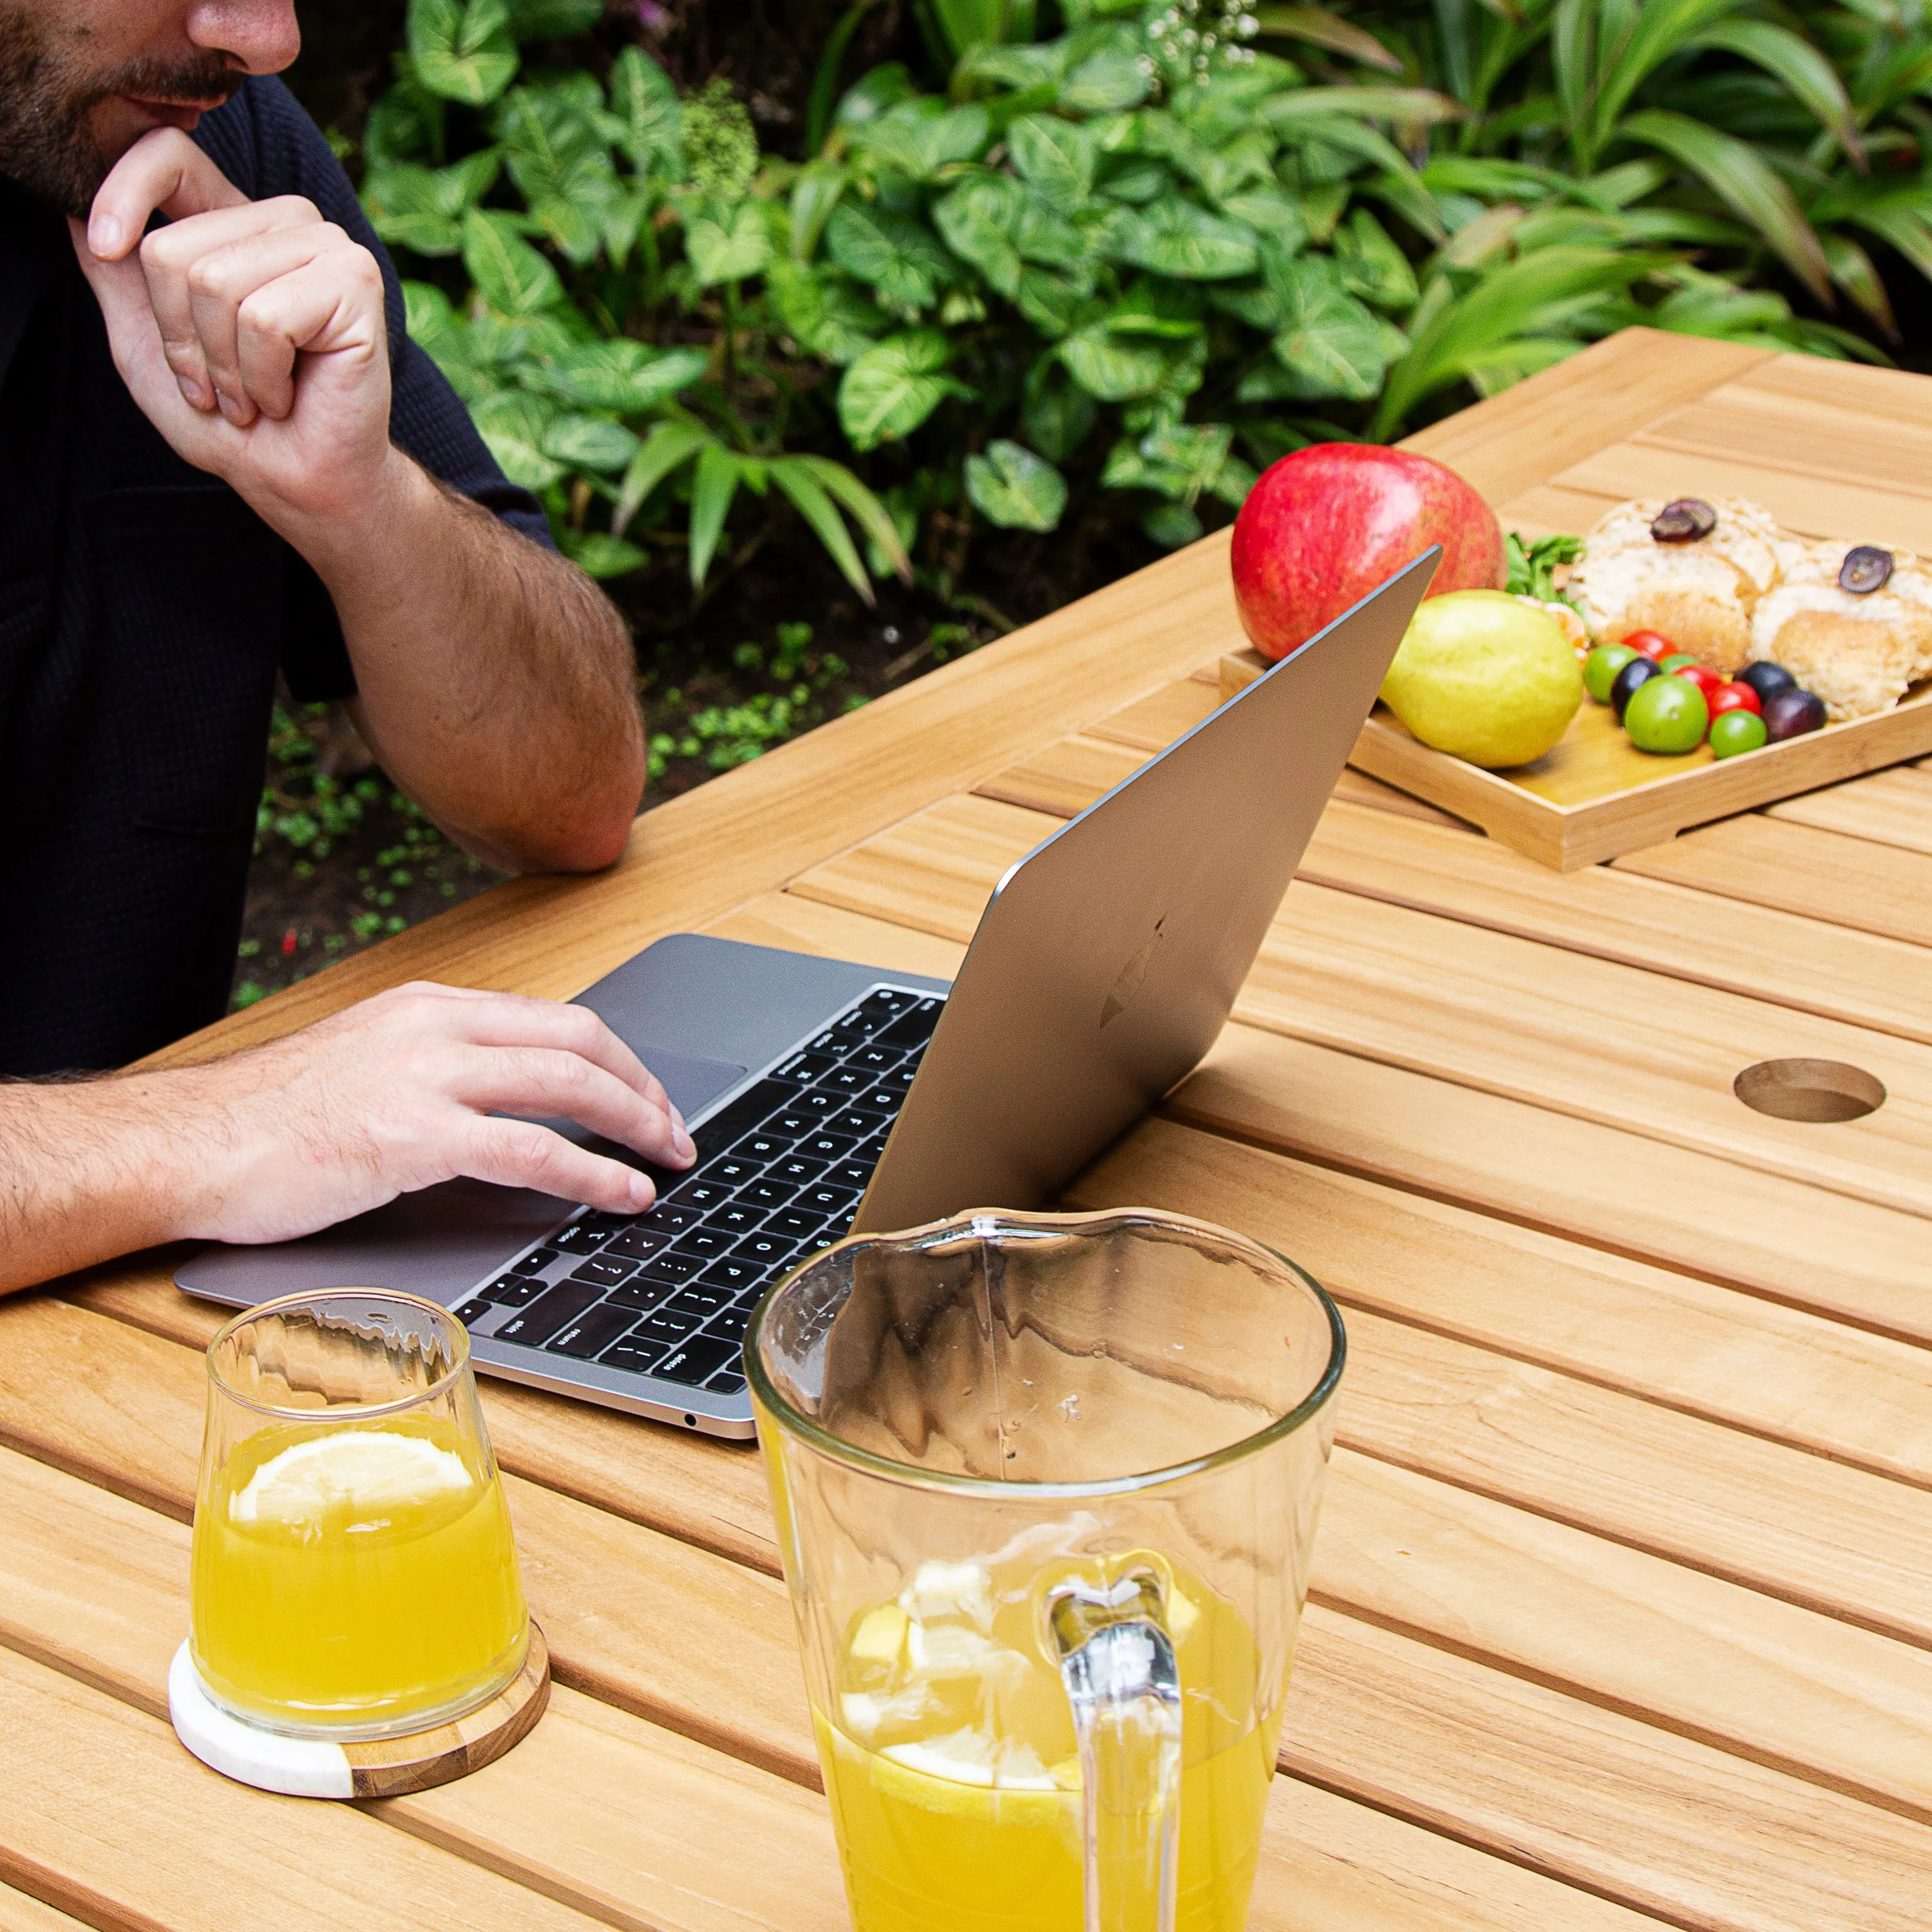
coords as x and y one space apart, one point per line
251 334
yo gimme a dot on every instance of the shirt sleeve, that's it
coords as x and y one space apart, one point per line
266 144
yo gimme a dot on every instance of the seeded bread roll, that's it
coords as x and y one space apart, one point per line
1859 653
1701 594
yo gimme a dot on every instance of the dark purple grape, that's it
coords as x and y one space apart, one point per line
1790 714
1639 670
1767 679
1864 570
1684 521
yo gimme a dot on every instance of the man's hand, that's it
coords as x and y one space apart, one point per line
403 1091
251 334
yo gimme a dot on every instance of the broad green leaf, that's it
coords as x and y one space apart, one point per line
1371 265
427 313
1055 412
589 442
1011 487
1272 214
894 253
814 195
1853 271
808 498
1802 66
462 52
628 377
864 508
1322 29
1052 303
434 234
875 93
599 555
1254 303
1015 68
977 219
920 145
669 446
1157 308
1112 367
721 253
711 493
1171 525
1745 181
1105 83
891 388
1138 182
1406 106
1329 344
1046 236
1056 157
553 20
1175 238
823 313
510 275
513 425
646 104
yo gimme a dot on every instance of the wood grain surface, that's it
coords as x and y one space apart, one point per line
1619 1617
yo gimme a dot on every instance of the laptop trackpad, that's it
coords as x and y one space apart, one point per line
692 1082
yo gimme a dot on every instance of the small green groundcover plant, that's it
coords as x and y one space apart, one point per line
1114 272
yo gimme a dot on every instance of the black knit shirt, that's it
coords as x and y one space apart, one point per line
144 611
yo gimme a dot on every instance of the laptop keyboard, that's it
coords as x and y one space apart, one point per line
779 1173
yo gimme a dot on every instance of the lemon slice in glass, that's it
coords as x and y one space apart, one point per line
359 1472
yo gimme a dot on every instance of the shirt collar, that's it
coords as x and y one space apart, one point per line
31 238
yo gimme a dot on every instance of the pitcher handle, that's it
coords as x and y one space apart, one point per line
1117 1661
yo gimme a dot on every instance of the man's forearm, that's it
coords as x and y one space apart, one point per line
495 680
88 1170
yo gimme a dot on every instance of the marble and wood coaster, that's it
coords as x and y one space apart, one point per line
385 1767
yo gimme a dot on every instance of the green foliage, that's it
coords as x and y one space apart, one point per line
1104 275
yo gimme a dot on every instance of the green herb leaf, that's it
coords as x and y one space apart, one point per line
891 388
646 107
1176 238
462 52
722 251
1329 344
1011 487
510 275
1056 157
894 253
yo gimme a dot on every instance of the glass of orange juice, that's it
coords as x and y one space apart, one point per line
1046 1488
354 1573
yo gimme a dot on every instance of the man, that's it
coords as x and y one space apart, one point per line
219 455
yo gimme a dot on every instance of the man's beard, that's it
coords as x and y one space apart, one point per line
46 142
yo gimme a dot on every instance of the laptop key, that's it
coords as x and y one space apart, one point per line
790 1124
816 1103
832 1202
828 1146
665 1327
534 1262
695 1361
473 1311
705 1242
733 1122
535 1325
886 1001
698 1300
804 1068
665 1219
762 1146
605 1271
732 1172
768 1252
672 1267
592 1334
849 1079
512 1291
854 1173
640 1296
766 1194
731 1275
726 1381
796 1222
730 1325
638 1244
873 1058
579 1238
740 1217
914 1028
639 1356
700 1194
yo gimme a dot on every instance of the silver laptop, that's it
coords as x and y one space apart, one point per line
824 1096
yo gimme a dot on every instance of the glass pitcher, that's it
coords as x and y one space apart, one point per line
1046 1487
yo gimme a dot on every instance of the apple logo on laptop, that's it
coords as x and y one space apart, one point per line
1131 974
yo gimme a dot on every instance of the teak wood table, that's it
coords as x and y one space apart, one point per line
1622 1599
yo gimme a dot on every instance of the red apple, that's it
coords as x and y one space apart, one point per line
1323 526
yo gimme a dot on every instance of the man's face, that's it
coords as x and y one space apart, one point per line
82 80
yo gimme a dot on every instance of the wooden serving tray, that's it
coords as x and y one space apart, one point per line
1596 795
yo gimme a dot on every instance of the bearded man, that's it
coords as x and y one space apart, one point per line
220 457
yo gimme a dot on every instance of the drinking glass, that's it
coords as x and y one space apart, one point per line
1046 1487
354 1574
